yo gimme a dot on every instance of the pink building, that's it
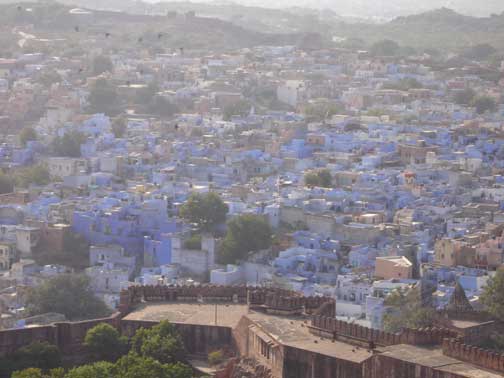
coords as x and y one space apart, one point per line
490 253
393 267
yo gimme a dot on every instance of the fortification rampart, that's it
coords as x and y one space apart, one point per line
68 336
338 329
474 355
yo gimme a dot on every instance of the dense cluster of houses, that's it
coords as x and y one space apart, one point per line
416 191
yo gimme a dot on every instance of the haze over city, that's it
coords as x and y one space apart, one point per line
381 9
251 189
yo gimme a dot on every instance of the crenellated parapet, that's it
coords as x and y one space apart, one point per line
469 353
339 329
268 299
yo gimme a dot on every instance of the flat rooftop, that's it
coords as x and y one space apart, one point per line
290 331
294 332
435 358
228 315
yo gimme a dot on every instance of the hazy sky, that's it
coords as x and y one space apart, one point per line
381 8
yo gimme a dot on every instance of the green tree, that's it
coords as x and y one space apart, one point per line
49 78
246 233
484 104
311 179
29 373
69 144
6 184
321 178
161 342
205 210
105 343
75 253
162 107
136 366
404 84
385 47
103 98
193 243
101 64
34 175
67 294
119 126
465 97
479 52
240 108
215 357
320 112
100 369
406 310
41 355
27 134
493 295
38 373
145 96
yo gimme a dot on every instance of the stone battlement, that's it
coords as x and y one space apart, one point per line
338 329
65 335
272 300
474 355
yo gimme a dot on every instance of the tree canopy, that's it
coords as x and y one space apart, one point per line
67 294
145 96
162 107
101 64
321 178
484 104
465 97
404 84
75 253
129 366
105 343
101 369
246 233
493 295
103 98
481 51
406 310
320 112
38 355
33 175
205 210
119 126
69 144
27 134
161 342
385 47
6 184
240 108
157 352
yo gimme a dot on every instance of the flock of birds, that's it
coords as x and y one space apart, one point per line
108 35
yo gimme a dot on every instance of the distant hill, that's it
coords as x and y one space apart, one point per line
197 32
441 28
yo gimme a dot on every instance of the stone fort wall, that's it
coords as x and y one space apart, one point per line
474 355
68 336
338 329
199 339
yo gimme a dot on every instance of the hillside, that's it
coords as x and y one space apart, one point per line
197 32
442 29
